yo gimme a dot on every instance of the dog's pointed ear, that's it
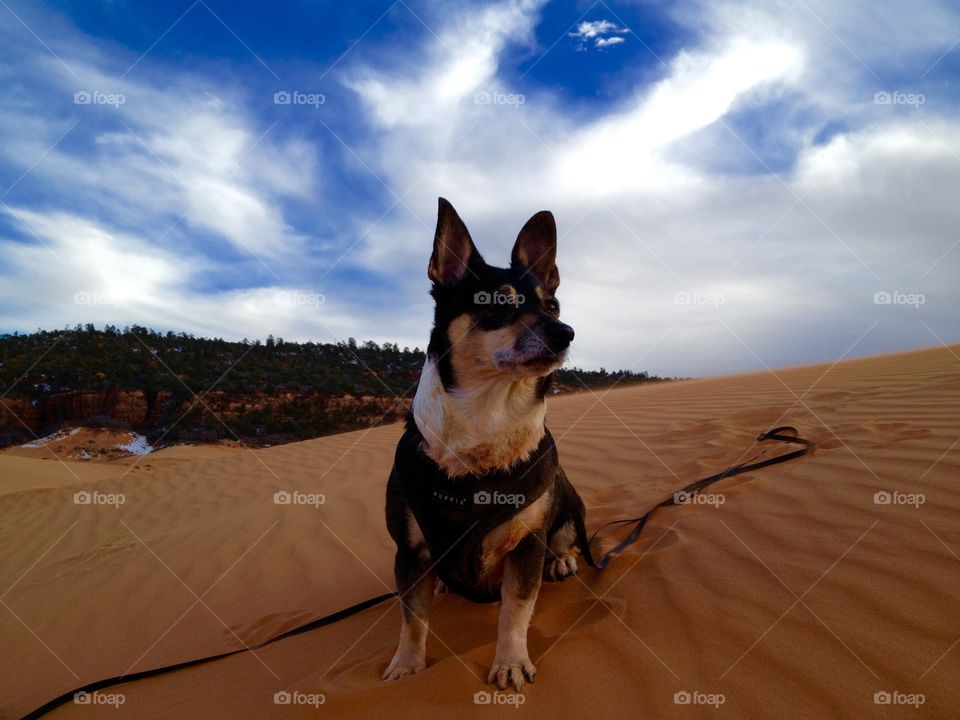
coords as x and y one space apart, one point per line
536 250
453 248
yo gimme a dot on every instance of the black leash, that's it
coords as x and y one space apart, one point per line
783 434
130 677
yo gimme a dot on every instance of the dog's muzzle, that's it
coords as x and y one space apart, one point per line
558 335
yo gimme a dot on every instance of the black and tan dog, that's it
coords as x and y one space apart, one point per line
477 497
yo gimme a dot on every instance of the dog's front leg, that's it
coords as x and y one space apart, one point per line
415 583
522 570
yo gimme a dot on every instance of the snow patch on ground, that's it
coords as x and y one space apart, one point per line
138 445
53 437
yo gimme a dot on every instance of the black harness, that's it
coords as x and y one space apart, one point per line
455 514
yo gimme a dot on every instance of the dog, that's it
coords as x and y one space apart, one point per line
477 502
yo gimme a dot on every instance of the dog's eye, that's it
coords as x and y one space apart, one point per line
552 306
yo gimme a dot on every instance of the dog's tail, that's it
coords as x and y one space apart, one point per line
577 512
583 540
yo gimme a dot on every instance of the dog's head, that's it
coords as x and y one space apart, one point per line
491 321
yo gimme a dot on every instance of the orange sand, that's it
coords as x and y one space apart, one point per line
797 597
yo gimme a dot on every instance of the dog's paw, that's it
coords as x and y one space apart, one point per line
557 569
402 666
511 672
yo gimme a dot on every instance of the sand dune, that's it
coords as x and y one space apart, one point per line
794 595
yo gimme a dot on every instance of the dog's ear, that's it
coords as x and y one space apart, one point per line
536 250
453 249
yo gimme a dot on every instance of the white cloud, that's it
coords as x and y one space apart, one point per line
607 42
462 61
603 33
79 270
75 255
595 28
164 153
624 150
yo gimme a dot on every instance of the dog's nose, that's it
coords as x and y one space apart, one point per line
560 333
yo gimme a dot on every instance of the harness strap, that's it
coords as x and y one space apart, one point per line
785 434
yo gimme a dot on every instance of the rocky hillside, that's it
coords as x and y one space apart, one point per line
179 388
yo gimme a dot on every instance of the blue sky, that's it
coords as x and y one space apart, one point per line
737 185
